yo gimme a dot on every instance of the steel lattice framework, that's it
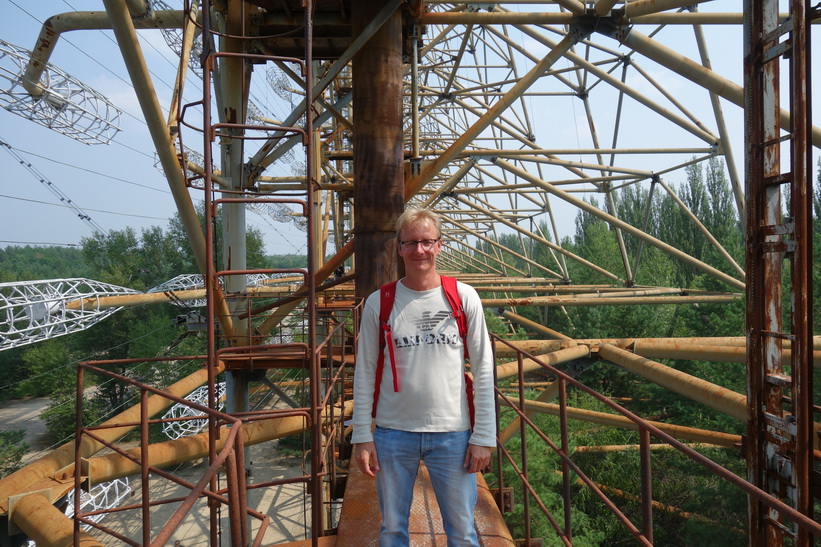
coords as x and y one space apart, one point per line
62 102
512 118
32 311
184 428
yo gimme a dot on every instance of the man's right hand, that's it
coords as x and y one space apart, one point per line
365 456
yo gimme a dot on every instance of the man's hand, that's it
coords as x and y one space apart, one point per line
477 458
365 456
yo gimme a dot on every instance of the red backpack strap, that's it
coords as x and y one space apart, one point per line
452 296
387 294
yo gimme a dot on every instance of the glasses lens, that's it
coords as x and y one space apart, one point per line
425 243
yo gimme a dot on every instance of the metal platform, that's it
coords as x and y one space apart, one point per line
360 518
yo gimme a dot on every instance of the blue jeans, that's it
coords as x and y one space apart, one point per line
399 454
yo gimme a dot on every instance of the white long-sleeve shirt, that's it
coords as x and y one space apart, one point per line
430 367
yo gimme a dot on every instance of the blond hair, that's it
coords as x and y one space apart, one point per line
417 215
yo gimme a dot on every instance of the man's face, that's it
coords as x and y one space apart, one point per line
418 245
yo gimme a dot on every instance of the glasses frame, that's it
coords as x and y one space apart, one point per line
427 244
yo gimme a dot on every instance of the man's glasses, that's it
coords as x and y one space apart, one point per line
426 244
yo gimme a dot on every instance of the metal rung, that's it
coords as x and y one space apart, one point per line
781 526
777 229
781 178
778 246
778 140
780 30
781 380
780 335
784 48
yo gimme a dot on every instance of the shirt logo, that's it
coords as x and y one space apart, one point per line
428 322
425 324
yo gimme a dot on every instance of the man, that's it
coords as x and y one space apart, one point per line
427 418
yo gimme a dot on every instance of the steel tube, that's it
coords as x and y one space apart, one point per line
54 26
684 350
726 440
557 357
21 481
613 221
697 74
130 48
722 399
541 329
414 185
598 72
543 241
496 244
703 229
45 524
645 7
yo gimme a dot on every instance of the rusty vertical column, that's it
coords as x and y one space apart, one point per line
377 147
780 438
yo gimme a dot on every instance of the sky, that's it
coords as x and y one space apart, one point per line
117 185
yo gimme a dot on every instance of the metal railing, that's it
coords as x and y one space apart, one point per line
234 432
642 530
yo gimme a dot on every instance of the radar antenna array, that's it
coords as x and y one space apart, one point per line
32 311
62 102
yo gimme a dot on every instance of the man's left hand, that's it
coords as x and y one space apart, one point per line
477 458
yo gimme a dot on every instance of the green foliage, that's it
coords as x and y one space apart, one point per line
28 263
255 247
287 261
50 369
696 507
61 415
12 449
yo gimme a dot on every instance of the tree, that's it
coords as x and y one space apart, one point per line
12 449
255 247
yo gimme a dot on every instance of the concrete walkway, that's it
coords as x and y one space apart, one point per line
25 414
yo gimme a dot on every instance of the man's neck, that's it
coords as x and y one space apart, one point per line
423 282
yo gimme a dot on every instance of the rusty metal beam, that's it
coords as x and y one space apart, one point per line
612 420
722 399
45 524
378 151
25 479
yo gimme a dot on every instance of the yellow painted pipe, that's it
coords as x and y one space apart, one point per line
683 350
45 524
561 356
22 480
722 399
114 466
613 420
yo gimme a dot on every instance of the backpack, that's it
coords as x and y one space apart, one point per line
387 295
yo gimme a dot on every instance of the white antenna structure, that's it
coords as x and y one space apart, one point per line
102 496
62 102
184 428
32 311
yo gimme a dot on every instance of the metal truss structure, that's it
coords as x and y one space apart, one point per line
100 497
60 102
511 118
176 428
32 311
